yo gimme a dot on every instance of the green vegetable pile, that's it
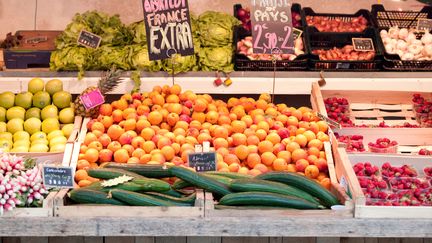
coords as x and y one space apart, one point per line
125 47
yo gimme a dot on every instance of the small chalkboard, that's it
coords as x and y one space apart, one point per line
363 44
92 99
297 33
58 176
424 24
328 120
205 161
341 65
89 39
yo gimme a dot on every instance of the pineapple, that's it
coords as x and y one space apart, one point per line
106 84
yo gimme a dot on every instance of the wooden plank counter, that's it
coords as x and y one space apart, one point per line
227 226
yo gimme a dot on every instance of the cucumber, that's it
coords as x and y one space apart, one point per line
266 199
172 193
138 199
256 185
128 186
150 171
180 184
303 183
84 195
200 181
231 175
179 201
108 173
152 185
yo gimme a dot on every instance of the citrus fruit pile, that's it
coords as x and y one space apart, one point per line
249 136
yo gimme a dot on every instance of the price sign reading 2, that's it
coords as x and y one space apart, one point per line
272 27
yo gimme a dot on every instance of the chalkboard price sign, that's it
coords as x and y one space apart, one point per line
424 24
272 30
205 161
168 28
89 39
57 176
363 44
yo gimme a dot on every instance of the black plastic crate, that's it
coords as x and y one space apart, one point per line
384 19
343 17
243 63
327 40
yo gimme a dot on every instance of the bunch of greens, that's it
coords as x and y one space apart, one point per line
72 58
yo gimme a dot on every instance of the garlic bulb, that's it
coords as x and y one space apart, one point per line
389 48
400 53
415 49
401 45
416 42
411 37
403 33
407 56
393 32
427 50
383 33
386 40
426 38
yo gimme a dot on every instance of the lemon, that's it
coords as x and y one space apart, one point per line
21 135
32 125
20 149
67 130
62 99
53 86
54 134
41 99
41 148
35 85
6 136
15 125
33 112
40 141
49 111
7 99
3 127
2 114
15 112
67 115
50 124
5 144
24 100
57 140
22 143
38 135
58 148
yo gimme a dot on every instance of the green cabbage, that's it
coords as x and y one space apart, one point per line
139 59
72 59
216 29
216 58
181 64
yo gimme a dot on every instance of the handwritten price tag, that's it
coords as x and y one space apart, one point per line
89 39
58 176
363 44
92 99
205 161
424 24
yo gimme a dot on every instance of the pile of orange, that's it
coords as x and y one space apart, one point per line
249 136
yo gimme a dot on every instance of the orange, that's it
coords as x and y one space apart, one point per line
252 140
261 167
121 156
323 126
175 89
239 139
263 125
238 126
301 140
220 143
326 183
200 105
155 117
241 152
309 135
316 143
234 167
90 137
254 172
231 158
220 132
267 158
298 154
280 165
105 109
158 157
261 134
265 146
311 171
168 153
114 146
98 126
81 175
147 133
83 164
91 155
253 159
117 116
105 155
273 137
84 183
115 131
286 155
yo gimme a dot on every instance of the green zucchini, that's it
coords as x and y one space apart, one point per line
256 185
172 193
303 183
84 195
108 173
180 184
150 171
179 201
266 199
231 175
200 181
152 185
138 199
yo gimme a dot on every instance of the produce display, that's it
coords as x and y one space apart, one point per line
423 110
125 187
249 136
345 53
337 24
38 120
245 47
352 143
383 145
394 185
124 47
405 44
20 183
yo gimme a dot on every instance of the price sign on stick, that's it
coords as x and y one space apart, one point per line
168 27
272 26
363 44
205 161
92 99
89 39
58 176
424 24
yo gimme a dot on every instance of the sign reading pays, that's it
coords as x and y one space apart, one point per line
92 99
168 28
61 176
272 30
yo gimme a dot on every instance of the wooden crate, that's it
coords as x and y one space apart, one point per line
58 156
211 209
63 207
393 107
344 163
